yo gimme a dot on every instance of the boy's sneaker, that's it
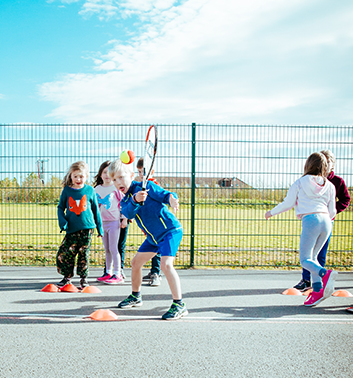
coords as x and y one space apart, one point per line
155 280
105 277
328 283
175 312
64 281
148 277
83 282
114 280
314 298
303 285
350 309
131 301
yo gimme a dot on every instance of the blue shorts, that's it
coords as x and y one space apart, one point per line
166 247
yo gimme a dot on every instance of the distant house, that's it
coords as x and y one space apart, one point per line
205 182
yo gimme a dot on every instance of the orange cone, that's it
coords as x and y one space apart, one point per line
292 291
342 293
70 288
307 292
50 288
91 290
103 315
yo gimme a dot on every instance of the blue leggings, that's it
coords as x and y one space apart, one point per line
321 258
316 229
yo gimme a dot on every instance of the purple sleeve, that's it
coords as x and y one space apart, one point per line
343 197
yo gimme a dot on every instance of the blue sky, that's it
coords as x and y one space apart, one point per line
166 61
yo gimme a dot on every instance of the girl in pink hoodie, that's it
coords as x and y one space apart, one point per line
314 200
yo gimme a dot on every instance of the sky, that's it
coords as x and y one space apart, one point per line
176 61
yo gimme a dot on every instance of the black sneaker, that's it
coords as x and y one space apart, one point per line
155 280
64 281
175 312
131 301
303 285
83 282
147 278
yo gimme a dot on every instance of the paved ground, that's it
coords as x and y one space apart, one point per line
239 326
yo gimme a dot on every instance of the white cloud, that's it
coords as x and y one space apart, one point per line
104 8
217 61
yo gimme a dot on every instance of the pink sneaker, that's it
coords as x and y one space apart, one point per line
314 298
328 283
105 277
350 309
114 280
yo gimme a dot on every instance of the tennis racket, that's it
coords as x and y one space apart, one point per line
150 155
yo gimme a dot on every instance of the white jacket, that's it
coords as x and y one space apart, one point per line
309 194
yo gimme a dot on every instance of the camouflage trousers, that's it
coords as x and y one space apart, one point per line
75 244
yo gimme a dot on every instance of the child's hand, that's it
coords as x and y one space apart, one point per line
141 196
123 223
174 203
268 214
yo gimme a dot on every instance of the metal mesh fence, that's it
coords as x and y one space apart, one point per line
226 177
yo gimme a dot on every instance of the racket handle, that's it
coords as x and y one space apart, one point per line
143 202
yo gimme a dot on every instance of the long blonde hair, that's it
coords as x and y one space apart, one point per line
316 165
331 159
78 166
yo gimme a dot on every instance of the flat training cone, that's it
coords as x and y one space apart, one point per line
342 293
307 292
103 315
91 290
50 288
292 291
70 288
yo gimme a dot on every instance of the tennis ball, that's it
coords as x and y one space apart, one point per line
127 156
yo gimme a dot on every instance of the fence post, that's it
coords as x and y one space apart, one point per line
193 186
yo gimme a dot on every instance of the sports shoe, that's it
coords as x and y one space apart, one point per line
105 277
83 282
350 309
155 280
314 298
114 280
175 312
130 301
64 281
303 285
148 277
328 283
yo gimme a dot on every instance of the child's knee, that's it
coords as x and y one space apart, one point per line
166 264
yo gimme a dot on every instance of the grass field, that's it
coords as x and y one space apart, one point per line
233 236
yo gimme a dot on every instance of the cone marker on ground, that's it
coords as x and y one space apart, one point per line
91 290
70 288
292 291
342 293
50 288
103 315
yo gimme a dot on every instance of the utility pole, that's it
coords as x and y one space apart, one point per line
40 169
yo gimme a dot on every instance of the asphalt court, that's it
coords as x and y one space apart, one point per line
210 295
239 325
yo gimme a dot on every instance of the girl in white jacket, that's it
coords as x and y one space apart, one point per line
314 199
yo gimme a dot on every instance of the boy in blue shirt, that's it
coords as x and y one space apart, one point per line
163 230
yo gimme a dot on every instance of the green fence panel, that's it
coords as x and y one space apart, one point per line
226 177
